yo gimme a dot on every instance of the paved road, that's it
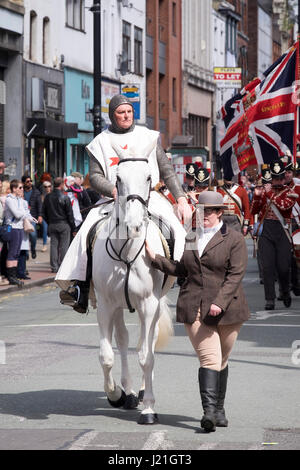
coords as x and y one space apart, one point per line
51 389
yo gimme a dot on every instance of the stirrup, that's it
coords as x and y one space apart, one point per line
70 296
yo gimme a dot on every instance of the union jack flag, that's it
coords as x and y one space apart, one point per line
260 121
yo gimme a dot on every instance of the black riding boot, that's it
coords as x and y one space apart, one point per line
222 421
209 387
77 296
12 277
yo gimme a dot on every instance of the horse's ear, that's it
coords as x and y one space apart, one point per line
144 152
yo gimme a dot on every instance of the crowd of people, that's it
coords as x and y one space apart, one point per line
54 208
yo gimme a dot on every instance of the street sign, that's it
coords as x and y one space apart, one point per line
228 77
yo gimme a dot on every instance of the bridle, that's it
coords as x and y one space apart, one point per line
117 256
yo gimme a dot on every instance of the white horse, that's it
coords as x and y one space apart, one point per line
124 278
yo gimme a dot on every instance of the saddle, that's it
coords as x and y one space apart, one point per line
165 231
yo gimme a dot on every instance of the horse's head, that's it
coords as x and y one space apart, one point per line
134 186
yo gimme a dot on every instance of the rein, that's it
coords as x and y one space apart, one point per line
109 246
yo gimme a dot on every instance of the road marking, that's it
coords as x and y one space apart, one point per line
207 446
155 441
84 441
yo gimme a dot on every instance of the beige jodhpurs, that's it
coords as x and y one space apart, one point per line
212 344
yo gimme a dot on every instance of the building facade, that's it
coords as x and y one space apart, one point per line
198 81
11 80
164 68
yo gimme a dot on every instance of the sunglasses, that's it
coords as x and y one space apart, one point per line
210 211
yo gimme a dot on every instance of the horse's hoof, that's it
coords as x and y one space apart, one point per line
141 395
118 403
148 418
131 402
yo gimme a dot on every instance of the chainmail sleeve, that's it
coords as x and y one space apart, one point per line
97 179
167 173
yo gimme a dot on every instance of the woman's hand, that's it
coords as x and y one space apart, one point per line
214 310
183 210
149 251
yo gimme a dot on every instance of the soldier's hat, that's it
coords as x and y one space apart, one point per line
202 176
277 168
191 169
266 175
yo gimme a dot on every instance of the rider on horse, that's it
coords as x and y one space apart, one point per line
124 135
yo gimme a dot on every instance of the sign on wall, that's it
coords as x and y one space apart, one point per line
228 77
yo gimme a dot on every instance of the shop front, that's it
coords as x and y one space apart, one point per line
46 131
79 95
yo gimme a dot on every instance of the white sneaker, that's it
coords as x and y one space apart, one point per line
44 248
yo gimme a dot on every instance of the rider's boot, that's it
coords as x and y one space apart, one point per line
77 296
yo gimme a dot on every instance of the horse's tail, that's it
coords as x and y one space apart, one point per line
165 325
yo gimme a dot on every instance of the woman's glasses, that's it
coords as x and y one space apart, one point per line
209 211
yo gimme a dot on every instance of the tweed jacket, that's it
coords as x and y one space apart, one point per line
214 278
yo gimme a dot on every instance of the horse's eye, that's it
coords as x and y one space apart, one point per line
149 178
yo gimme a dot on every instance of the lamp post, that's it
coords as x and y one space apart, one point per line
96 9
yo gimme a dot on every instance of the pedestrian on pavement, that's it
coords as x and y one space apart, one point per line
5 190
3 280
2 171
33 196
46 188
25 246
80 193
274 203
57 211
211 301
14 214
93 195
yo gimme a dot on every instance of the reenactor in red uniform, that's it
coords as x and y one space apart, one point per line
274 204
291 182
236 200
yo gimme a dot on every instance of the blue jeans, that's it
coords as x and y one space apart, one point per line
45 232
21 270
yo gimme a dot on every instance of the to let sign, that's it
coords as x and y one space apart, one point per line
228 77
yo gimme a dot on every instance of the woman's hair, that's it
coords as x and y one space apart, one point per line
5 187
14 184
86 182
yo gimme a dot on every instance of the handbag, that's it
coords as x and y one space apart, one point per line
5 232
27 225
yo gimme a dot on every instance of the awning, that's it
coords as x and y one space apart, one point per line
46 127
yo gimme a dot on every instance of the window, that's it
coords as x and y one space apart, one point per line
46 40
32 35
75 14
126 39
138 51
174 101
197 126
174 18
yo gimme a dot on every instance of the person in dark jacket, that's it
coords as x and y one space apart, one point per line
57 212
34 199
211 301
